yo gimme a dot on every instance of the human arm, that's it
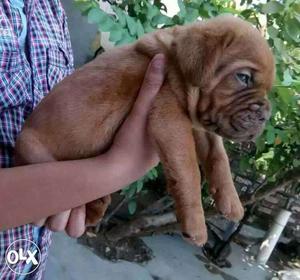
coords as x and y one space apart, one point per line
31 192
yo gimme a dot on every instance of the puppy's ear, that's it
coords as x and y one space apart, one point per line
199 51
156 42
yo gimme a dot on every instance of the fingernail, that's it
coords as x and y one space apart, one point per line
159 62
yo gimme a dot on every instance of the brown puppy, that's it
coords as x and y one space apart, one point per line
219 72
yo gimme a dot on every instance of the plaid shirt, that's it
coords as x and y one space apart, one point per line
25 78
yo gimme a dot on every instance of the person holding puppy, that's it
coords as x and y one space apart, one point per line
35 54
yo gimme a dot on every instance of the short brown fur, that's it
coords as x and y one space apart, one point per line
200 102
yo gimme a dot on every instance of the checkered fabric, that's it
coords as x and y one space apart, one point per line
25 78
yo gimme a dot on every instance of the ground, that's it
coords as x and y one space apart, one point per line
174 260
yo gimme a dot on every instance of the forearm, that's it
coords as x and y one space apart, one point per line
28 193
32 192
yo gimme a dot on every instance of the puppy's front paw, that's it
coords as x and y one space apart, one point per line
198 238
194 229
228 203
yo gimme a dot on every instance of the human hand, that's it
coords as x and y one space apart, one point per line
132 146
71 221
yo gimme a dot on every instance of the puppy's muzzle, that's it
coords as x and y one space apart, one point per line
249 123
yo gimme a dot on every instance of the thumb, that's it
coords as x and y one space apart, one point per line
152 83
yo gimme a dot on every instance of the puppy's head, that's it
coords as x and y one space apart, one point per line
232 68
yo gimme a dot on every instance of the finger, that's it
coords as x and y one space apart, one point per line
59 221
76 224
40 222
152 83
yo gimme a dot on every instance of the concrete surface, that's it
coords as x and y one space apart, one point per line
174 260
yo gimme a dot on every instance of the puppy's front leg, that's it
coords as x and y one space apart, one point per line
214 159
173 135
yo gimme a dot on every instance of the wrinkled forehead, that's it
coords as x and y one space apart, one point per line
253 54
257 52
245 43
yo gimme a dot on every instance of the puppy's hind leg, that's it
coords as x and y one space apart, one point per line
29 150
96 209
213 158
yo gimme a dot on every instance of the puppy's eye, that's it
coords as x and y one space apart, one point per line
244 78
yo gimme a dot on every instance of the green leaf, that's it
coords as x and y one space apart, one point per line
132 205
247 13
271 179
273 32
106 26
125 39
139 186
139 29
150 175
297 16
287 78
147 27
94 15
121 15
282 135
292 27
268 155
115 33
131 24
152 11
84 6
270 136
226 10
155 173
191 15
278 43
182 10
295 53
161 19
131 191
286 96
260 143
209 9
296 162
244 164
272 7
103 20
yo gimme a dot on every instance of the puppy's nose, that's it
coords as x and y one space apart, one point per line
255 107
262 110
259 105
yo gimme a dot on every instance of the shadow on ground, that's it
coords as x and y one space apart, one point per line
174 260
